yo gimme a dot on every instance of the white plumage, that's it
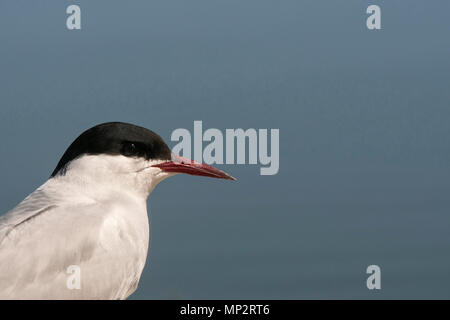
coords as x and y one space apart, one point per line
95 221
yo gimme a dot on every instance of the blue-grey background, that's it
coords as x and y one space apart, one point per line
364 135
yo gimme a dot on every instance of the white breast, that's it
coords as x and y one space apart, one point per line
48 232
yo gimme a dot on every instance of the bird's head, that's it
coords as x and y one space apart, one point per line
122 155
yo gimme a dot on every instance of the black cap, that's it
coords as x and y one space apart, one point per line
115 138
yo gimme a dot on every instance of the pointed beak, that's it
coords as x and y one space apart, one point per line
183 165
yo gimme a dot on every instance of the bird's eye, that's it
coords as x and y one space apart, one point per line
129 149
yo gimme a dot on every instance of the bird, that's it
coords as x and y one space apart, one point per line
92 214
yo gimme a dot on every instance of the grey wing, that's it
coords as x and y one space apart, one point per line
62 252
34 204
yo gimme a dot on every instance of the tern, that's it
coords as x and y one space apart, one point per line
90 214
